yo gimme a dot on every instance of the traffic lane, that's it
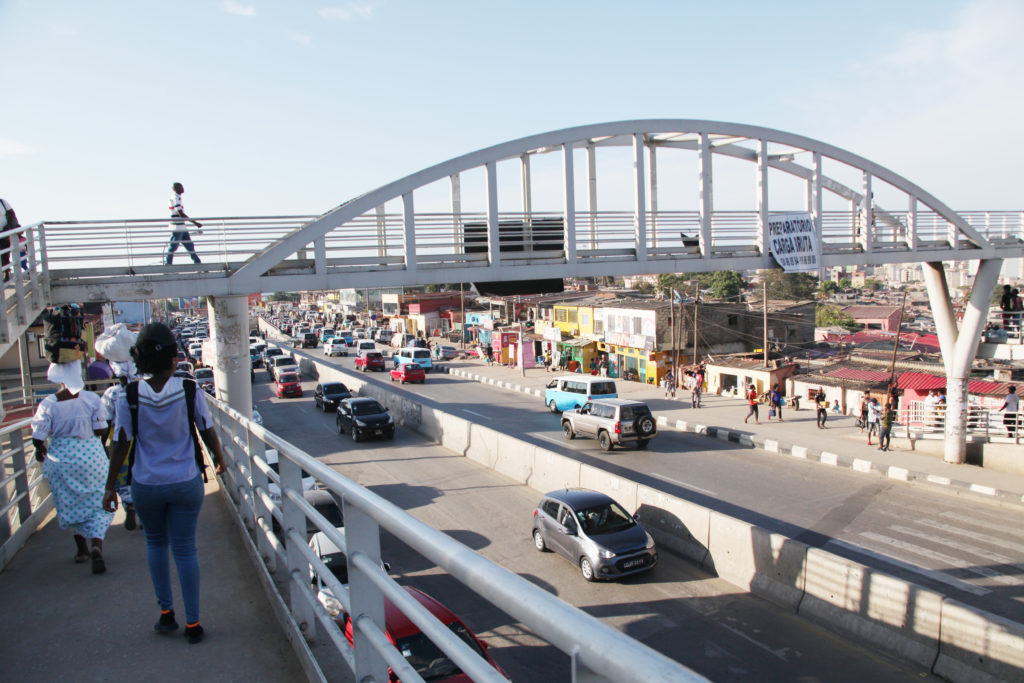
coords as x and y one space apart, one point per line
676 608
914 534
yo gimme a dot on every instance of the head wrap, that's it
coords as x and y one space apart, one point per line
68 374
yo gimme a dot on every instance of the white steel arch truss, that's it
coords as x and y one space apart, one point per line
360 239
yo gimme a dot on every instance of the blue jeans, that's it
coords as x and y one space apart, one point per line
170 514
177 238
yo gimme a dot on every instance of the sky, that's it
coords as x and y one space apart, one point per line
267 107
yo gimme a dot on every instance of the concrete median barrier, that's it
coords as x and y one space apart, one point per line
483 445
552 471
893 615
767 564
676 524
621 489
514 458
977 646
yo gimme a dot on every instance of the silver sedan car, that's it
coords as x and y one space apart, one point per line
593 532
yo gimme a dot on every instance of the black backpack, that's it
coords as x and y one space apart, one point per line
62 334
132 396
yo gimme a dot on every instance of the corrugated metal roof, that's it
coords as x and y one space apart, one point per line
870 312
922 381
857 374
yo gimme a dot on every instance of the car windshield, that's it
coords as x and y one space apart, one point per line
204 373
288 377
428 659
410 367
606 518
334 389
367 408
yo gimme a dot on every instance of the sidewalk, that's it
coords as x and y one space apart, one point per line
841 444
62 623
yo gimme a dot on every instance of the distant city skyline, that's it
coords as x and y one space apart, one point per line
264 108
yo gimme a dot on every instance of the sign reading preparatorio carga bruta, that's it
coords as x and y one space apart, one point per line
791 240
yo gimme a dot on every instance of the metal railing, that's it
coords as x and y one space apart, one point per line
921 418
24 493
1004 327
597 651
377 239
24 283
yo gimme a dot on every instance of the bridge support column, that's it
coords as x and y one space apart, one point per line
229 330
959 346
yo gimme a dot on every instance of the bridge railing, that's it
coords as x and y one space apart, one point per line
24 281
24 494
264 495
378 238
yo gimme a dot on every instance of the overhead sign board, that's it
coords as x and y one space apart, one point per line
792 241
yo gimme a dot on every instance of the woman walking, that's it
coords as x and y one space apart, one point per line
74 462
166 480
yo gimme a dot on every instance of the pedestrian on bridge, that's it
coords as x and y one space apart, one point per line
8 221
166 474
66 432
179 234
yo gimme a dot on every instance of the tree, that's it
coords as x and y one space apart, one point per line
828 287
283 296
726 284
832 316
645 288
844 283
873 284
793 286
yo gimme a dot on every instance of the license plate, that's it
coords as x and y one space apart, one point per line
379 431
630 564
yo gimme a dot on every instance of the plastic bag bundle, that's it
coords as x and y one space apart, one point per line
115 343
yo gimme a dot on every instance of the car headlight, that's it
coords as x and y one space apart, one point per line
391 420
360 423
605 554
650 542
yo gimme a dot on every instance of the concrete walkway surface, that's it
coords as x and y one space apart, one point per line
840 444
63 623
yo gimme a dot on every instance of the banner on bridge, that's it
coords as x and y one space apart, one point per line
792 241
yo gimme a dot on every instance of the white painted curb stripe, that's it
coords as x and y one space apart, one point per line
799 452
936 479
771 445
829 458
900 473
861 465
987 490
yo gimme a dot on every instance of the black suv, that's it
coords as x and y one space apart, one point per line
308 340
363 417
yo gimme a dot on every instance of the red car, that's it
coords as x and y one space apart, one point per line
288 384
408 372
430 661
371 360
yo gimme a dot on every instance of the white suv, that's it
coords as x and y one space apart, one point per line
613 421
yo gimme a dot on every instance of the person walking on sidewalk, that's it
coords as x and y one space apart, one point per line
886 421
752 402
698 387
179 233
821 405
865 401
669 382
776 399
874 415
167 474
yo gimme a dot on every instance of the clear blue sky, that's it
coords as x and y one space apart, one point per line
271 107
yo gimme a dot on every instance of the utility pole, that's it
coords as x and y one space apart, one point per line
696 318
674 354
765 288
462 306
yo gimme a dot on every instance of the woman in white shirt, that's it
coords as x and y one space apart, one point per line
74 461
166 480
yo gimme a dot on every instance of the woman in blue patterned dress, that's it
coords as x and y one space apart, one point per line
75 464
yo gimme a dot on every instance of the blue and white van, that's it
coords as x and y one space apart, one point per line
410 354
572 391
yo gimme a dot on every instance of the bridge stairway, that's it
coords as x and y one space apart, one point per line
23 301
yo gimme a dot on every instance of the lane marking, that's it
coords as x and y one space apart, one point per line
987 524
953 562
906 566
781 653
486 417
950 529
965 548
551 439
683 484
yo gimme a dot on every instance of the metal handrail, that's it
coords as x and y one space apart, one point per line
24 493
596 648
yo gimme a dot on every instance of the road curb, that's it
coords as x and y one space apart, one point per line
860 465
